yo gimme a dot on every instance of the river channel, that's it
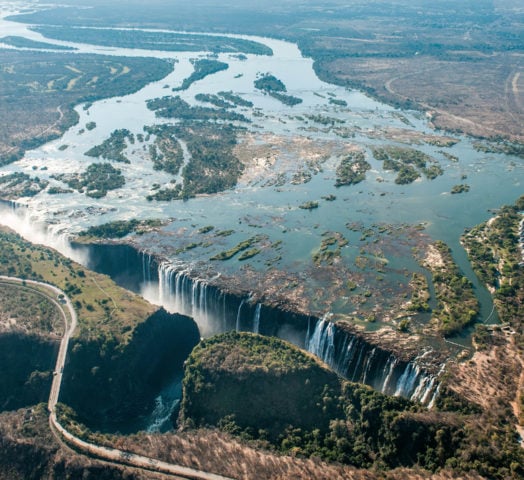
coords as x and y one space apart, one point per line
380 222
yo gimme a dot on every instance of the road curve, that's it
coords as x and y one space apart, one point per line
120 457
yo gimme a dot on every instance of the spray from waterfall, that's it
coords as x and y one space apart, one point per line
19 220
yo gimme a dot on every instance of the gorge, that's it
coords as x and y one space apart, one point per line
216 177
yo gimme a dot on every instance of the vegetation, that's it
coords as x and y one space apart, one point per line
269 83
212 166
357 53
408 163
494 249
121 228
30 324
58 190
26 310
27 372
338 102
288 100
235 99
310 205
330 248
274 87
420 293
113 148
266 390
323 119
168 41
433 171
176 107
450 157
22 42
123 349
166 153
501 146
96 181
19 184
90 126
206 229
104 310
215 100
167 194
202 68
40 89
457 304
352 169
460 188
242 246
329 198
247 254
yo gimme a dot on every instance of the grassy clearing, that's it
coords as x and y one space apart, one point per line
103 307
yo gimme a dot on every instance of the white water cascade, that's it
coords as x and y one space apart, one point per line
256 319
358 361
239 318
348 355
179 293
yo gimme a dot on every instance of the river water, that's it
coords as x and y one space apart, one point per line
261 205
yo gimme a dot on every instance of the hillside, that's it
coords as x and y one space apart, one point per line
269 392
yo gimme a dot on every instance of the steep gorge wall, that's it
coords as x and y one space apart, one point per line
217 310
108 385
27 369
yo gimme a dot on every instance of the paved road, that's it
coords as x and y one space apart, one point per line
120 457
62 301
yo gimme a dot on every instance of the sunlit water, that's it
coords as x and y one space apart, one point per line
253 208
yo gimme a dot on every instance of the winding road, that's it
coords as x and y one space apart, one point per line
120 457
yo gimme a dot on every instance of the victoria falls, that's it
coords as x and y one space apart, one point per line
316 268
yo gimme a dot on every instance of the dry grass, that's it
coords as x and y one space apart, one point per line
483 97
216 452
491 377
203 449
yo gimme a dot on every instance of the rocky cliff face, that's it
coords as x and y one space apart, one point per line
108 384
27 368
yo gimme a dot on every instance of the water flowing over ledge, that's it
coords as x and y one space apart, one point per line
179 289
350 355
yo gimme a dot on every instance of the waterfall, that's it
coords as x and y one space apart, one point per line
367 369
179 293
358 361
237 326
182 286
388 372
321 343
224 317
406 383
347 354
256 318
147 264
17 217
165 283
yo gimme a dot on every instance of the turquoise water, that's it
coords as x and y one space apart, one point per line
290 235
